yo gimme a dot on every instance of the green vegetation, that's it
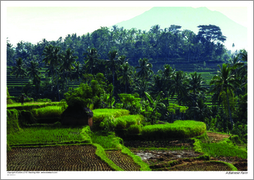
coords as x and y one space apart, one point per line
137 159
108 141
48 111
12 121
127 81
223 149
101 153
178 129
45 135
9 100
124 122
100 114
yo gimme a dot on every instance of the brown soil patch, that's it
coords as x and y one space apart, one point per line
59 158
123 161
215 137
200 166
239 163
160 144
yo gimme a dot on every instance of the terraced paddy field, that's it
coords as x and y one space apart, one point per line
59 158
177 155
60 148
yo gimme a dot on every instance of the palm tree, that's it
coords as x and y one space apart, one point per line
167 76
125 75
112 62
52 59
91 59
67 64
239 68
156 104
19 69
178 86
76 74
145 68
195 83
144 73
34 73
224 82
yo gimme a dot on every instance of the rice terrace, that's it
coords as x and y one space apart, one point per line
117 99
179 146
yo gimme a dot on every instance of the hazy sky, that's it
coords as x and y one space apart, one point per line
34 21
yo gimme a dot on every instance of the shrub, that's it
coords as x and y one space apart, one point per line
12 121
108 123
129 120
131 102
134 129
120 123
44 100
178 129
100 114
84 96
79 97
9 100
26 117
235 139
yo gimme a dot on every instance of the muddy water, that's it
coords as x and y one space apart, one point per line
152 157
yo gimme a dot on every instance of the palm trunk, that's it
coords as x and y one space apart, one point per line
113 80
125 87
57 87
229 111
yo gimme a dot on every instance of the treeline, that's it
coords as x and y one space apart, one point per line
115 83
158 45
117 70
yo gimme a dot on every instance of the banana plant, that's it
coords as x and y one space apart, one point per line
155 104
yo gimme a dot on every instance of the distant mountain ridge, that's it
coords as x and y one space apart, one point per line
189 18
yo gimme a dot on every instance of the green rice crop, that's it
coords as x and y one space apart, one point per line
223 150
100 114
126 121
45 135
178 129
48 111
12 121
109 141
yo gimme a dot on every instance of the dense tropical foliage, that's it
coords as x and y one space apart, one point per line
115 70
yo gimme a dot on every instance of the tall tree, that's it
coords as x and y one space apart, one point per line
156 104
145 68
178 86
34 73
52 59
91 58
112 63
225 82
144 72
211 36
125 75
66 67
